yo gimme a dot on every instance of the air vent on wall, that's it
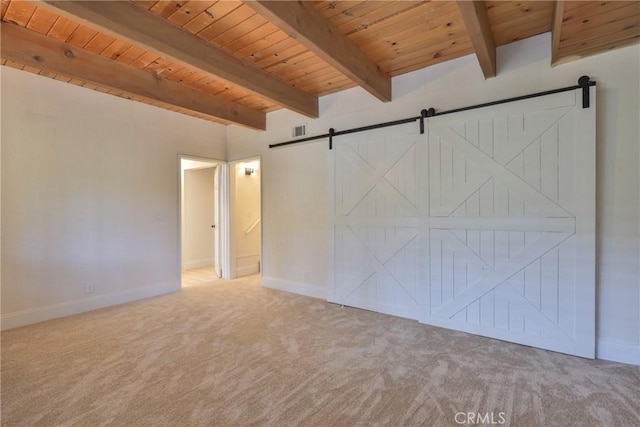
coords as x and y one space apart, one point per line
299 131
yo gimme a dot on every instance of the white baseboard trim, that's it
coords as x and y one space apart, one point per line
54 311
617 351
294 287
248 269
187 265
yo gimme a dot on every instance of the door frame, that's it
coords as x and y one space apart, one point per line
222 228
231 165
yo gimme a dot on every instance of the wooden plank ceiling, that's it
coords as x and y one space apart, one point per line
232 62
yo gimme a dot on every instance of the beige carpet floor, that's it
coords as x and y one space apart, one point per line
233 353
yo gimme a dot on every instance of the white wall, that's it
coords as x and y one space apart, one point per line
89 196
246 207
197 218
295 179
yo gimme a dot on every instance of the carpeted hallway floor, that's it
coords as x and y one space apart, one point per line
233 353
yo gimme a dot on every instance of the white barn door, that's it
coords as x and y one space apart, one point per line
485 224
379 233
512 219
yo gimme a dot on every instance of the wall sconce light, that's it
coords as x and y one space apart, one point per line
249 171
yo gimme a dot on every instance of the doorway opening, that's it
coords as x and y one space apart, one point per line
246 216
201 220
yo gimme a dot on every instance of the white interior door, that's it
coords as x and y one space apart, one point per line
199 204
217 260
486 224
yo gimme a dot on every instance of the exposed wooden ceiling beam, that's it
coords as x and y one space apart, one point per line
36 50
556 30
476 20
302 21
137 25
